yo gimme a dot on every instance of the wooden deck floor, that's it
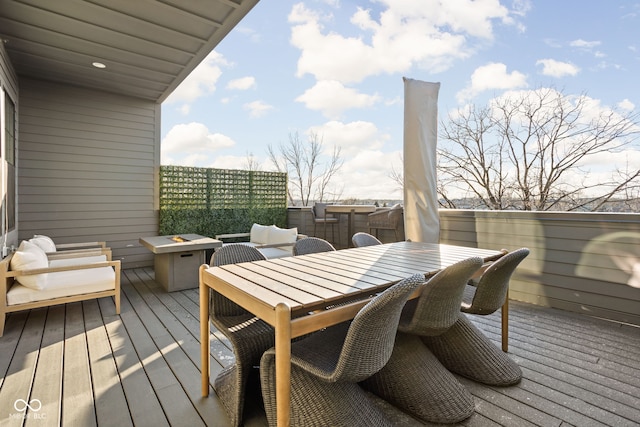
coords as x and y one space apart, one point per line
82 365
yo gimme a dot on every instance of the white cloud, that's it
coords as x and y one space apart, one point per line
626 105
368 174
352 137
490 77
584 44
429 34
191 144
553 68
242 83
201 82
332 98
257 108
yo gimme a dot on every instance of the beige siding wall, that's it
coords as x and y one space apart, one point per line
581 262
86 167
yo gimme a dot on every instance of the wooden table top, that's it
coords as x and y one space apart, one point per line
314 281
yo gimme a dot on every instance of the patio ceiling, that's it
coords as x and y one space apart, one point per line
147 46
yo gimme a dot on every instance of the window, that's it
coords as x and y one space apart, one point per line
10 130
10 158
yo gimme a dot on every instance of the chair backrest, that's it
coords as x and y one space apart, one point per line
395 215
234 253
438 306
318 210
361 239
371 336
312 245
231 253
493 285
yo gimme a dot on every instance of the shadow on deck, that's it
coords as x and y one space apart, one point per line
81 364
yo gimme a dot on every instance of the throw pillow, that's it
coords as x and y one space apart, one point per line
259 234
282 235
44 242
29 256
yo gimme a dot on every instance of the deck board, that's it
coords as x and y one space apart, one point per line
110 402
90 366
78 404
47 385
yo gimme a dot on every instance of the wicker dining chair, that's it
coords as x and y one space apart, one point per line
248 335
414 380
326 366
311 245
387 219
491 290
464 349
361 239
320 216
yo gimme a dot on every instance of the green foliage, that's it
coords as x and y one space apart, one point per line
209 201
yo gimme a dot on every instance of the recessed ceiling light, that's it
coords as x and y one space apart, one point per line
99 65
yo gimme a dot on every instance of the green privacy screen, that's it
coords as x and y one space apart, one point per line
210 201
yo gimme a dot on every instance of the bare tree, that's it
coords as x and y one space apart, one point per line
530 151
252 164
309 176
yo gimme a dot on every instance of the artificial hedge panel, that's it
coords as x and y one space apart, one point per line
210 201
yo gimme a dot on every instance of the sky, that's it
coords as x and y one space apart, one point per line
335 68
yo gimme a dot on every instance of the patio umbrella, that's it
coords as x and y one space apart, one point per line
421 220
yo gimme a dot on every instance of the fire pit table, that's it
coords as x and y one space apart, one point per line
178 257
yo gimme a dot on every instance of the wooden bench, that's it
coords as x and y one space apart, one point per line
68 280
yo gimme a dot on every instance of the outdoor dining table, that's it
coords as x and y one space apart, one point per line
302 294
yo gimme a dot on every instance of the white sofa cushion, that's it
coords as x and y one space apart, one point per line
65 283
259 234
282 235
271 253
44 242
29 256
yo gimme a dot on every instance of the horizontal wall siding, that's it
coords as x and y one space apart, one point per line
87 162
581 262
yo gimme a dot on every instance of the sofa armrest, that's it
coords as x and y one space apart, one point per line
80 245
80 253
232 236
273 245
18 273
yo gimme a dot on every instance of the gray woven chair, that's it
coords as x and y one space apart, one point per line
387 219
311 245
320 216
364 239
326 366
248 335
466 351
414 380
491 290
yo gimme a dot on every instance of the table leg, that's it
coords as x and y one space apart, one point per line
352 218
283 365
505 323
205 334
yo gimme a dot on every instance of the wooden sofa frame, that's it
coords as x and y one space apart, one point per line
222 237
8 276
